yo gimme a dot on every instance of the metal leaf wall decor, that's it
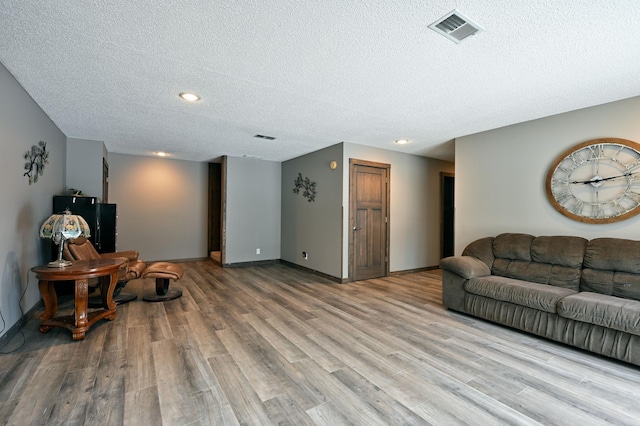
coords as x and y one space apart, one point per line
36 158
308 187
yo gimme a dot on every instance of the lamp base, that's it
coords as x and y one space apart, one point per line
59 263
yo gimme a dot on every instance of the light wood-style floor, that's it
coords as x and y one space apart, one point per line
275 345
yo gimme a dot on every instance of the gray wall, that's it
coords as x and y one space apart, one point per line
415 206
162 206
84 166
321 228
314 227
500 174
24 207
252 210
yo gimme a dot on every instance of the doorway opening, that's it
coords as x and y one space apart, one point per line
447 187
215 212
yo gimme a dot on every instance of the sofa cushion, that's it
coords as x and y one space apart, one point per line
559 250
481 249
532 295
612 267
626 285
615 254
513 246
599 309
554 260
522 270
513 258
611 283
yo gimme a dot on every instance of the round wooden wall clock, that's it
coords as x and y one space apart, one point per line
597 181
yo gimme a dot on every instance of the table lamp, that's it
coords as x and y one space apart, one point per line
61 227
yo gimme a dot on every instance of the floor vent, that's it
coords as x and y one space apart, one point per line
455 26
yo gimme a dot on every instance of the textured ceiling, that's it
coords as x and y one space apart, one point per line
312 73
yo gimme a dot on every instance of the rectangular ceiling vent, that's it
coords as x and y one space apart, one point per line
269 138
455 26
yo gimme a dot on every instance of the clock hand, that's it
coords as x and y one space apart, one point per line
601 179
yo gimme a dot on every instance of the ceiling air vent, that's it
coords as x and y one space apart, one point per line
455 26
269 138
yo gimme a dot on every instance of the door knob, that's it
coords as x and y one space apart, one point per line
355 228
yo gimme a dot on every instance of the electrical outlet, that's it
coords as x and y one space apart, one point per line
257 251
305 255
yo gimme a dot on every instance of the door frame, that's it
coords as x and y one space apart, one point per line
352 208
223 207
105 180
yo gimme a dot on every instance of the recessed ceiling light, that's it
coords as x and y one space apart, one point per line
191 97
402 141
161 154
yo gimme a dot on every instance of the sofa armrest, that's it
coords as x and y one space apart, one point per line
131 255
124 267
456 270
465 266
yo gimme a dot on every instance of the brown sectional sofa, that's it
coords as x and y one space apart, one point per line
582 293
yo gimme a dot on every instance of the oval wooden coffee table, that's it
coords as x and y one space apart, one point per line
106 270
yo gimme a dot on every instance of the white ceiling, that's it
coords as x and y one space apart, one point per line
312 73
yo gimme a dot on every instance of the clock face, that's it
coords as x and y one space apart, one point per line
597 181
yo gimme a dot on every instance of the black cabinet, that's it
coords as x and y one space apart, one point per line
101 218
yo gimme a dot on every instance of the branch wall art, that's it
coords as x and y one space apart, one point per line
36 158
308 187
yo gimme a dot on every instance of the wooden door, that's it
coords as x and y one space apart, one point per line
369 219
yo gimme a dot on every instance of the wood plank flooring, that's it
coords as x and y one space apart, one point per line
275 345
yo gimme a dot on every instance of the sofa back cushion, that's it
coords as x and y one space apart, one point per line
481 249
612 267
553 260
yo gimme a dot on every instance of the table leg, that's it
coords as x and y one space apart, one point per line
50 299
107 287
82 305
82 319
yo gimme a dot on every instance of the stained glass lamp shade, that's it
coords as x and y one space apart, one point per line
61 227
